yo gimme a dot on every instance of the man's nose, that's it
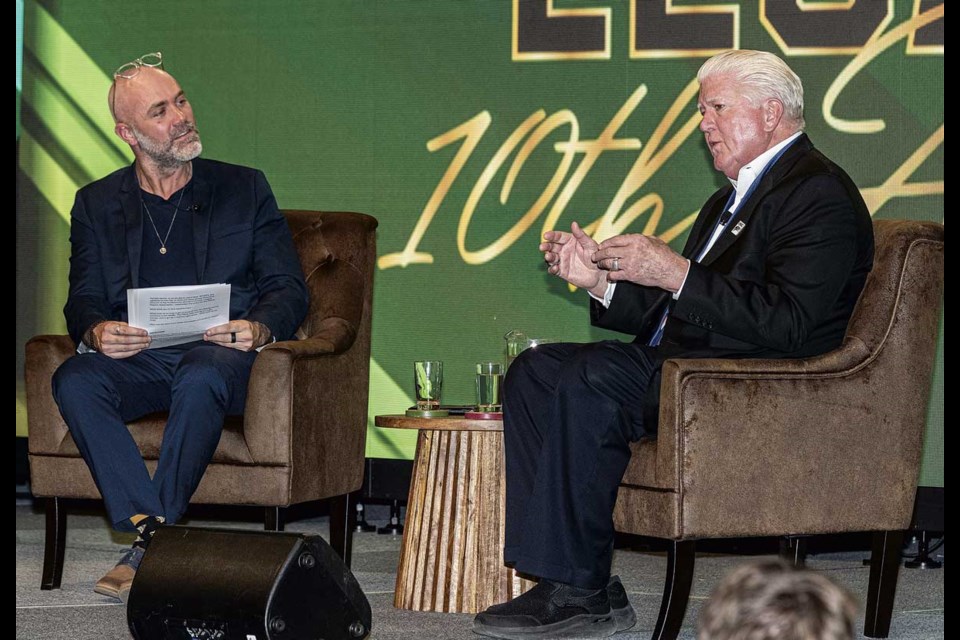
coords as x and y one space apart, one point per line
706 121
179 114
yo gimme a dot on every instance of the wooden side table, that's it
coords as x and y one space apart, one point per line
451 558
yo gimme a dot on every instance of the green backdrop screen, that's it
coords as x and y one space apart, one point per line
468 128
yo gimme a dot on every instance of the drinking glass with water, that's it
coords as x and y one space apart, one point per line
489 381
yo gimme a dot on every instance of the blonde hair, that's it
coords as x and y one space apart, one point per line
763 75
770 600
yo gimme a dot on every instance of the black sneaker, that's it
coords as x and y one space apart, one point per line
623 612
550 610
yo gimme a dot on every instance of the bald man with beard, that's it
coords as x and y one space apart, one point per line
171 218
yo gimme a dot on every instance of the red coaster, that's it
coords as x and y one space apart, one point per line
478 415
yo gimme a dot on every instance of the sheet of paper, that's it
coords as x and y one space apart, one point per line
175 315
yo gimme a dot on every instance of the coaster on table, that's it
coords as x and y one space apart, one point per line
436 413
483 415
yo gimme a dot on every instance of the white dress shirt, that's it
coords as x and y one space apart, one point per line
745 178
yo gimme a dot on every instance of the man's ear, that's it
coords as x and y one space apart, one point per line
125 133
772 113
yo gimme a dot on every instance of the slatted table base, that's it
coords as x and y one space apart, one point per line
452 554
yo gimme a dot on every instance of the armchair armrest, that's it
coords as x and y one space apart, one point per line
307 406
44 354
807 444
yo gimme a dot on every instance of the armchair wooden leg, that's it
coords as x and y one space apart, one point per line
54 543
884 570
793 549
676 591
341 525
273 518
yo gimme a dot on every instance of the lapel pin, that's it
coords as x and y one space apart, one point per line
737 228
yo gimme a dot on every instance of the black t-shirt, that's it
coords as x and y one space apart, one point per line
178 266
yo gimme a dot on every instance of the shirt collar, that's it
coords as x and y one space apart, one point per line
749 172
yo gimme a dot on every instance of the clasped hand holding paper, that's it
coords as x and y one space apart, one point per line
176 315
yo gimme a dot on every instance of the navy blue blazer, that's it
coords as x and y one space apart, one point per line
783 287
240 238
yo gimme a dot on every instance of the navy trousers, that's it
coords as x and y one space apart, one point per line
570 412
198 384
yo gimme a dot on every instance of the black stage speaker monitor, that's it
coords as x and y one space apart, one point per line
250 585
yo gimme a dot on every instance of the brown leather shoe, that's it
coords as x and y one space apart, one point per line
116 583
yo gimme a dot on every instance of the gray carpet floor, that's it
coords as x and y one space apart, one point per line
77 613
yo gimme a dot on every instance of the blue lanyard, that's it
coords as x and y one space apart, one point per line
733 196
658 334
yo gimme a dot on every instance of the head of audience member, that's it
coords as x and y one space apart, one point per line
770 600
750 102
152 115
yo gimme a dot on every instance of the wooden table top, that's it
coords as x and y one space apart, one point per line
451 423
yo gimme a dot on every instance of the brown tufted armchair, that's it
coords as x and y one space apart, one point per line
303 431
790 447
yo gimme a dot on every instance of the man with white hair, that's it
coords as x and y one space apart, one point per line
772 268
170 218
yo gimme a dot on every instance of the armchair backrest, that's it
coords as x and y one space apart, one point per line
897 315
337 254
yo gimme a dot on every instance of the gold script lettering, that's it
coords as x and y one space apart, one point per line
896 186
560 118
651 158
870 51
591 150
473 130
654 154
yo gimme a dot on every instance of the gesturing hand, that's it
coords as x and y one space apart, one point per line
642 259
570 256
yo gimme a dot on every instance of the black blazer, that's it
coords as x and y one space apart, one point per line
240 238
784 287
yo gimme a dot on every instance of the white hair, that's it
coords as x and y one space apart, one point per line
763 76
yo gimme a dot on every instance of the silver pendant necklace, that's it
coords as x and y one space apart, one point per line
163 240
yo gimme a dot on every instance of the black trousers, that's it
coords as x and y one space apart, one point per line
570 412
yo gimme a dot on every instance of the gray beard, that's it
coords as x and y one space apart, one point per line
167 156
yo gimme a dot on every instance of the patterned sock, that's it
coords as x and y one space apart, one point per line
146 529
